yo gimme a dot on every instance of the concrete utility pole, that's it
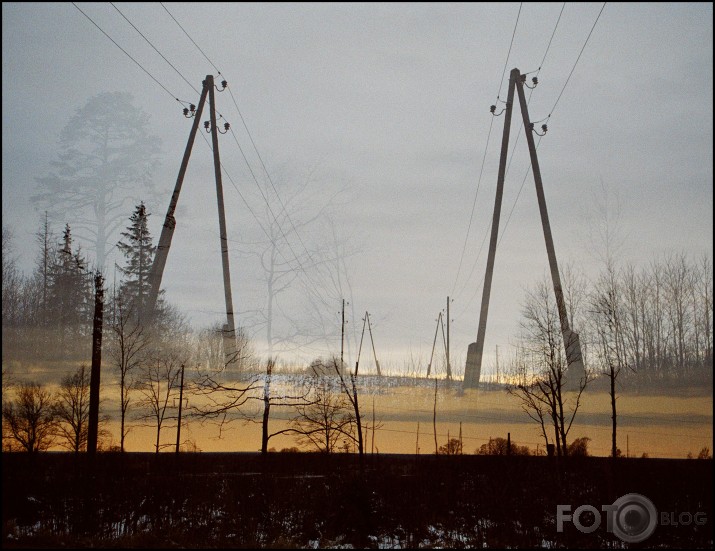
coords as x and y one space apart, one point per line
574 359
167 230
473 369
571 339
93 421
229 335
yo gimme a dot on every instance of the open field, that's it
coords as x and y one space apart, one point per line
659 425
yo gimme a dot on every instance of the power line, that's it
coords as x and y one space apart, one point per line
551 112
577 60
155 49
531 91
127 54
486 146
312 290
189 37
243 121
506 61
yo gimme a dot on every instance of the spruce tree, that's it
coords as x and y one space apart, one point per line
139 253
70 289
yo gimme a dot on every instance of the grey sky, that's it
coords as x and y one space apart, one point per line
389 103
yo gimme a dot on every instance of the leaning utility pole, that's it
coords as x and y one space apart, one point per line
167 232
372 341
574 359
475 350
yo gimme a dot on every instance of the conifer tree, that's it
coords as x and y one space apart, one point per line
70 289
139 253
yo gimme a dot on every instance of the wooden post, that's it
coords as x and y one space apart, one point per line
181 402
93 421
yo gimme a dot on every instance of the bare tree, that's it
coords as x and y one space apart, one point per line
158 385
529 395
222 393
71 410
609 333
277 400
545 384
29 419
127 351
328 418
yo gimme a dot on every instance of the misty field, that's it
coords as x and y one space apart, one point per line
650 422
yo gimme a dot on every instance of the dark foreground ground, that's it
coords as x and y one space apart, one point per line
308 500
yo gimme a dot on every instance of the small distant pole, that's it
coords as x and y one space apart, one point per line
508 443
461 449
434 418
181 402
372 444
342 337
449 367
417 444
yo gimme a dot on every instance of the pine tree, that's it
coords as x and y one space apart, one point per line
70 289
139 252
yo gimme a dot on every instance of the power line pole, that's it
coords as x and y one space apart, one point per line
93 421
372 445
229 336
181 402
449 367
574 359
497 352
571 339
434 343
372 341
167 230
473 368
342 337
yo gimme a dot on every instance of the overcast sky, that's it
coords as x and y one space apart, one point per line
387 106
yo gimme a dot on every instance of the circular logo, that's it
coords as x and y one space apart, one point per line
635 518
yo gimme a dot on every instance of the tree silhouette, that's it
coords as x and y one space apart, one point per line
139 252
29 419
106 156
71 410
